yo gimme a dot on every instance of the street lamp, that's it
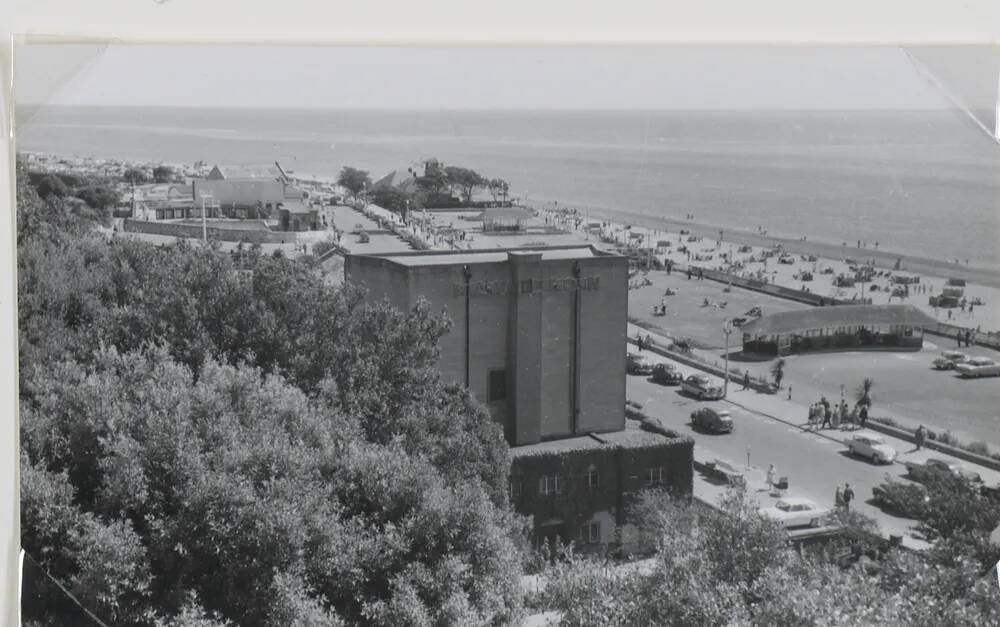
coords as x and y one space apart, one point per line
727 329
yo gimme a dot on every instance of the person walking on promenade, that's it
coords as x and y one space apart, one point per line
848 496
789 392
949 316
838 497
968 337
845 414
746 380
959 334
920 436
863 415
771 476
640 343
827 414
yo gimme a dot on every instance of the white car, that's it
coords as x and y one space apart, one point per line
796 512
949 359
978 367
871 446
702 387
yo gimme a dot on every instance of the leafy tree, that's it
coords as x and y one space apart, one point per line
434 180
268 505
863 393
464 180
778 371
163 174
98 197
51 185
135 176
395 200
354 181
498 188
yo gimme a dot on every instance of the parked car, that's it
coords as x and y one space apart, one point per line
901 498
702 387
786 259
727 472
871 446
638 364
712 420
667 374
796 512
921 471
949 359
975 367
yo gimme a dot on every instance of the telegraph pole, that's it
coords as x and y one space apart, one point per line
727 328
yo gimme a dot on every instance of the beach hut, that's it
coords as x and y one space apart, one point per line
504 219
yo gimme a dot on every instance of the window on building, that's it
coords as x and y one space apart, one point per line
514 486
655 476
549 484
496 385
591 479
590 533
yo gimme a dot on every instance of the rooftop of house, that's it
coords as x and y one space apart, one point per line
631 437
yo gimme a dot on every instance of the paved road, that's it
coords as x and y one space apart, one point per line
813 462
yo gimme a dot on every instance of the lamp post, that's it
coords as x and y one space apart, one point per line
727 329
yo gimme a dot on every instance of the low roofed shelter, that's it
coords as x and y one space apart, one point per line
504 219
843 327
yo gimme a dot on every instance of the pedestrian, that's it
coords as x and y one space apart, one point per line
968 337
958 336
838 497
848 496
746 380
771 475
920 436
949 316
640 343
845 414
827 415
863 415
789 392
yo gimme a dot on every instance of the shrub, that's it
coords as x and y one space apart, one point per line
947 438
979 448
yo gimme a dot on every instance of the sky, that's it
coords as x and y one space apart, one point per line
625 77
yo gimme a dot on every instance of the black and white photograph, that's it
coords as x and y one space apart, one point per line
507 335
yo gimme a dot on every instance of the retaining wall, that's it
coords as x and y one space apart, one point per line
174 229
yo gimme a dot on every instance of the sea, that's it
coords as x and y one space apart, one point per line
924 183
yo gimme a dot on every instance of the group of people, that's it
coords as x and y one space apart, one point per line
843 496
823 414
968 336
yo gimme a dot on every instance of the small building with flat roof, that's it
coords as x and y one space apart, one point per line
842 327
504 219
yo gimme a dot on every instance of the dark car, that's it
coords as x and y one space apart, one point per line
940 467
666 374
638 364
712 420
900 498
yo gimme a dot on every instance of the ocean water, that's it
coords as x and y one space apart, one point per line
925 183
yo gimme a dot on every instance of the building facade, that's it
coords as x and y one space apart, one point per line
539 336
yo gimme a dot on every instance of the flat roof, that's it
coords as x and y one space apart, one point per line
835 316
436 258
631 437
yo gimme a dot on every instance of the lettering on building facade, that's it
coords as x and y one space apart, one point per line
501 287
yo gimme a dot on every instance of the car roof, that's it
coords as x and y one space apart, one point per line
874 437
795 500
980 360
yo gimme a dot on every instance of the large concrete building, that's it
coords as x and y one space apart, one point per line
539 337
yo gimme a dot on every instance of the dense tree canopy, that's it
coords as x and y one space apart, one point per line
354 181
163 174
213 438
464 181
733 567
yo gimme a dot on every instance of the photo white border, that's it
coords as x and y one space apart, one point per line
425 22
